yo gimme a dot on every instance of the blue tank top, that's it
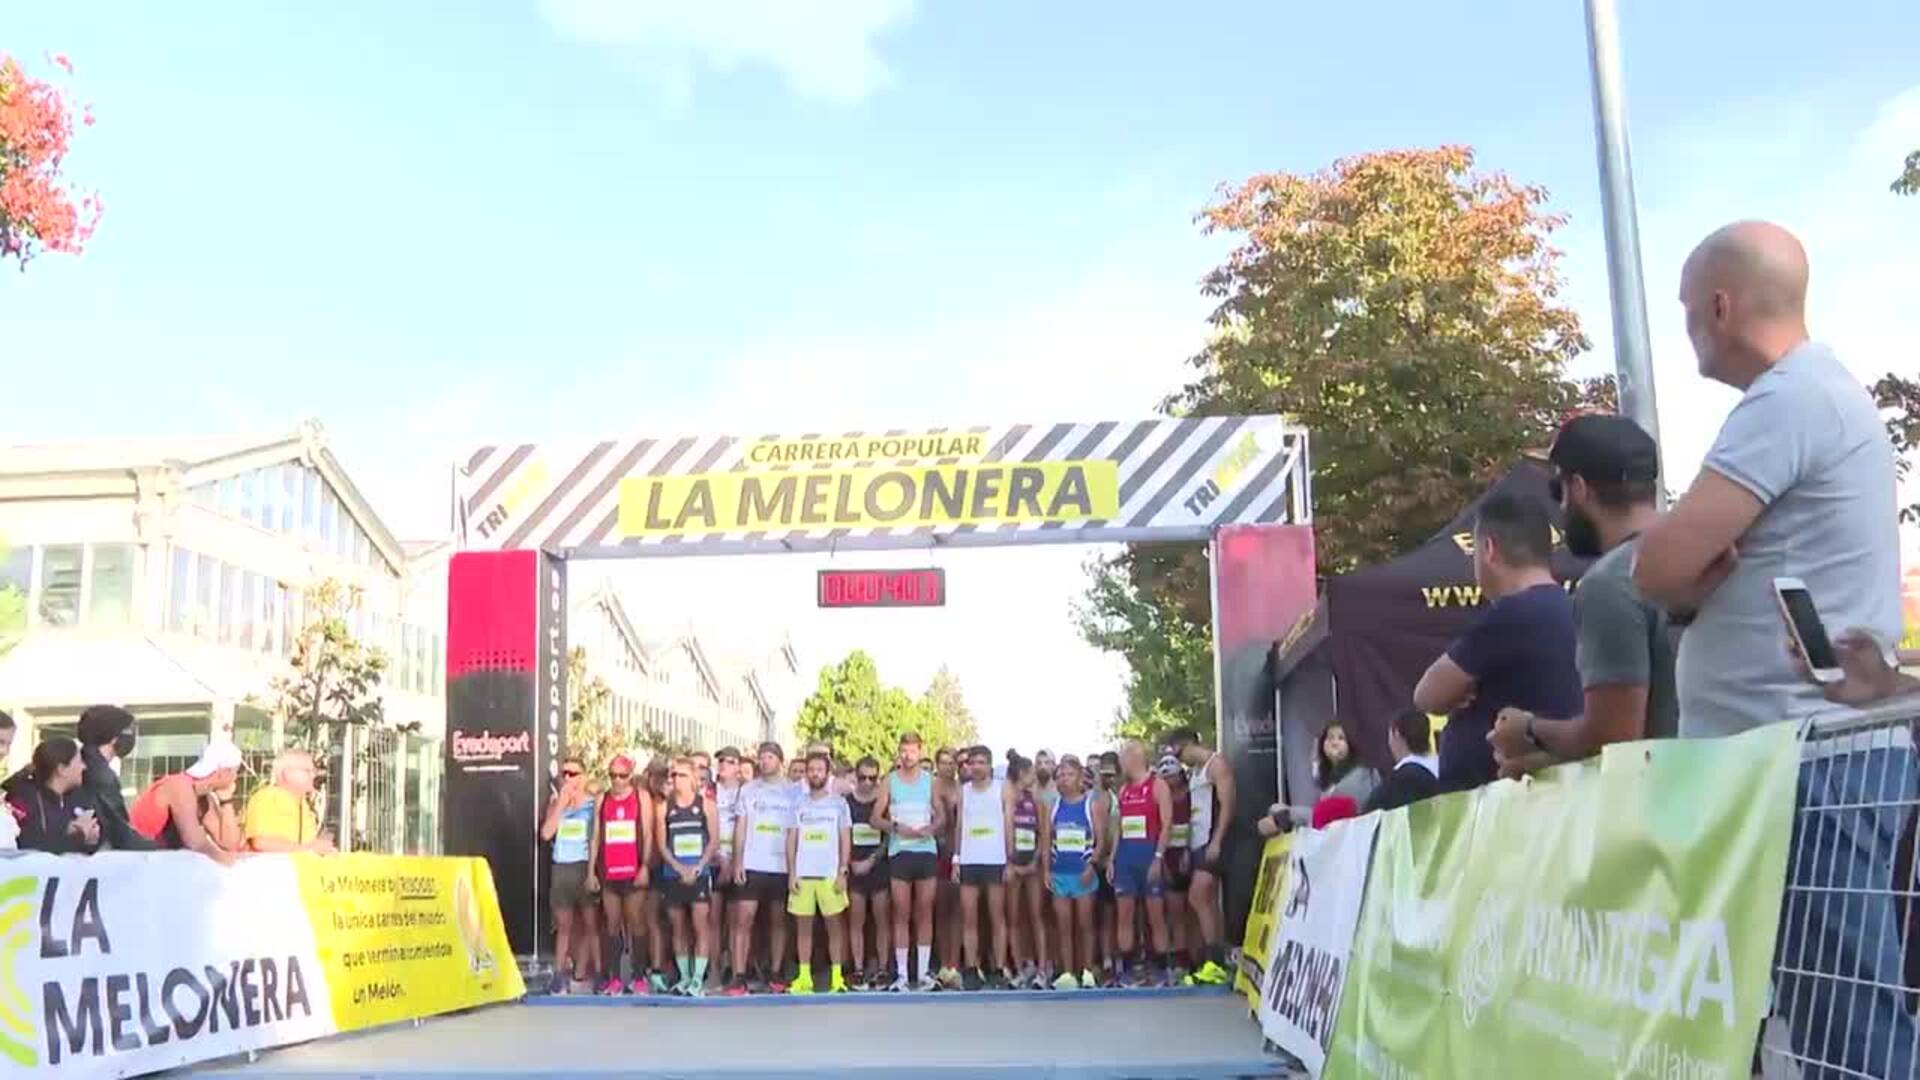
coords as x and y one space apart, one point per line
910 804
570 843
1072 836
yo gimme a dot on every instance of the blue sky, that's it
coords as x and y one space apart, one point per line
553 217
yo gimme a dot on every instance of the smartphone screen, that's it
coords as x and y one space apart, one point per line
1809 629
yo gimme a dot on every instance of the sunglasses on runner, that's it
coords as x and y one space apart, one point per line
621 775
681 775
868 777
569 773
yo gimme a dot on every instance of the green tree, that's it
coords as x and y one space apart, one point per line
1908 182
948 707
856 714
1899 401
1169 655
330 697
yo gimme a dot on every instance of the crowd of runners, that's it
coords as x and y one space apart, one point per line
716 873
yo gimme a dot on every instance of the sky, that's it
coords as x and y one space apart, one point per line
551 218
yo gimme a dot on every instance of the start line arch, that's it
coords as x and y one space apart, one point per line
1242 484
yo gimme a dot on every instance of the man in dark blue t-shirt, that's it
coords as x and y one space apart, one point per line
1519 653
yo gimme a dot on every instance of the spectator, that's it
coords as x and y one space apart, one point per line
106 737
9 823
1800 482
1337 771
280 815
7 732
172 812
1606 478
1519 653
1416 771
50 803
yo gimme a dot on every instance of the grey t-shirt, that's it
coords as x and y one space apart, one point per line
1624 640
1807 441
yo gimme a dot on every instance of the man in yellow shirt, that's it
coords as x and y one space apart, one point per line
280 815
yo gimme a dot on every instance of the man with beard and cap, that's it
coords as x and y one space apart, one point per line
1606 477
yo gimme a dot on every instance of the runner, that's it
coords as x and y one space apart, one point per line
819 849
870 886
1211 780
726 800
1044 786
689 830
568 826
946 908
911 816
1181 937
984 841
659 933
1026 886
703 769
1077 827
1106 803
1139 862
625 835
760 872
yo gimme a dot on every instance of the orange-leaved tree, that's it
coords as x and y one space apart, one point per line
38 210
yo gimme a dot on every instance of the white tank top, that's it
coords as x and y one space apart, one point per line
983 826
1200 786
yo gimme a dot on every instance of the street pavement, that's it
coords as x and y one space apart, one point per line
1104 1036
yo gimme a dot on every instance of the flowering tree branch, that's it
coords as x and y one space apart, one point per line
38 210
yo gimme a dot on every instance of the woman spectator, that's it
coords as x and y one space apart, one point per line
53 811
1336 771
186 811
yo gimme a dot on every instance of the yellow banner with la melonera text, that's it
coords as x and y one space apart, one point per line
402 937
976 493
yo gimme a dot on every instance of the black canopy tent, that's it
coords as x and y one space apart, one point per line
1376 630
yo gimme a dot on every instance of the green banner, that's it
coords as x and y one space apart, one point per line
1613 918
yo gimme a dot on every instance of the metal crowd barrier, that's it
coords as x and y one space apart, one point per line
1846 979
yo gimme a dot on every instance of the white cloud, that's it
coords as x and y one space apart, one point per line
825 51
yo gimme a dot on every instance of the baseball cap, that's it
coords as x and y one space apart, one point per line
218 755
774 749
1605 449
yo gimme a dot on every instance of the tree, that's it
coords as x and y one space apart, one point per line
593 734
38 211
948 706
1908 182
1403 309
1899 400
330 696
856 714
1169 654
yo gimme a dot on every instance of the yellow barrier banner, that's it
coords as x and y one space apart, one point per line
995 493
1269 890
402 937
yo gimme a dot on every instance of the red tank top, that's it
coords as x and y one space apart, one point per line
150 816
620 836
1139 813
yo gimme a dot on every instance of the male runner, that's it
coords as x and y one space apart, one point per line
1105 801
983 841
912 817
870 884
946 796
819 849
1078 825
620 847
1139 861
726 802
760 871
1210 780
1180 936
689 831
703 770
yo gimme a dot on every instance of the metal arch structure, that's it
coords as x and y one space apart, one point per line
1241 484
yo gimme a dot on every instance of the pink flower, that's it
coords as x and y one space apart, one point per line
37 208
60 61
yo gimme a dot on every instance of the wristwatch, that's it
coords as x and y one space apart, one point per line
1533 737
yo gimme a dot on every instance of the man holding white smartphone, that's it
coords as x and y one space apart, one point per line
1799 484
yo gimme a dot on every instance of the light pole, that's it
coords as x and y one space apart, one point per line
1632 346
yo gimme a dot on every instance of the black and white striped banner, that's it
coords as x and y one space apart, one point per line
1010 484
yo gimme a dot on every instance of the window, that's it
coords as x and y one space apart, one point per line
310 503
110 601
180 591
226 607
289 498
206 584
291 624
277 618
60 584
329 516
249 606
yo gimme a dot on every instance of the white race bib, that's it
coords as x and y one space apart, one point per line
865 835
1071 839
814 836
622 832
687 845
1180 836
573 830
1133 827
913 815
980 832
1024 839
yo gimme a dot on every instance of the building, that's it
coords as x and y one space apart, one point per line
170 576
678 686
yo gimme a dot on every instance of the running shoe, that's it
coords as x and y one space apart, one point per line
838 984
802 985
557 984
927 985
612 988
1211 974
899 985
971 979
878 979
639 988
695 989
951 980
1087 981
1066 982
737 988
657 981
